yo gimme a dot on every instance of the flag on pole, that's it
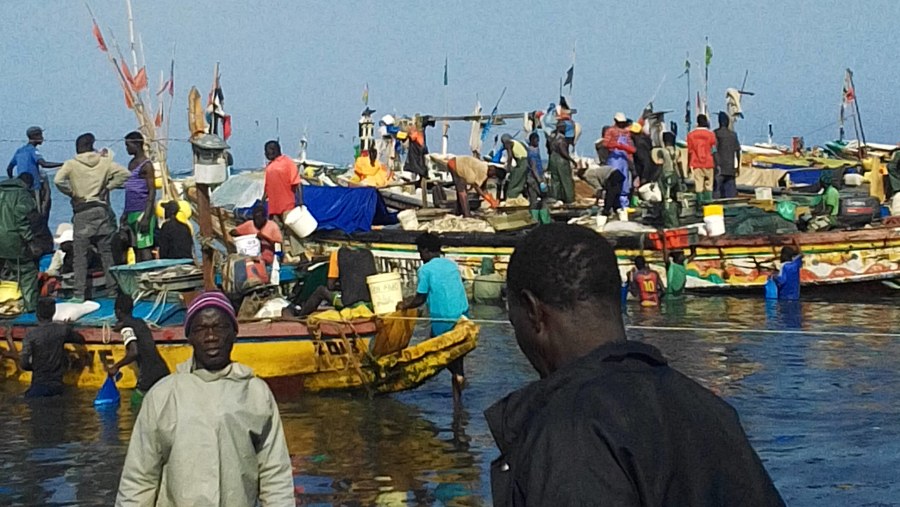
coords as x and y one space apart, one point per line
126 72
445 71
708 54
140 80
158 121
687 68
172 78
365 95
569 75
849 94
99 36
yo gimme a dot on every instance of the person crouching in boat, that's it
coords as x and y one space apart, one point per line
369 171
267 231
210 433
468 172
139 348
44 353
645 283
441 286
348 269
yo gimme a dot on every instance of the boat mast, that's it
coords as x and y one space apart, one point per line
862 132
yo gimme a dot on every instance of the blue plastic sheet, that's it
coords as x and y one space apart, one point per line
771 289
347 209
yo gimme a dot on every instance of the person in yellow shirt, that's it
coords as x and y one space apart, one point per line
369 171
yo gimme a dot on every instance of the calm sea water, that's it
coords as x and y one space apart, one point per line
822 410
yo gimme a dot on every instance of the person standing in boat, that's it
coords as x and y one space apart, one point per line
535 184
516 165
176 241
18 249
701 144
728 157
44 353
560 165
210 433
88 179
139 348
140 198
617 140
282 189
441 286
28 159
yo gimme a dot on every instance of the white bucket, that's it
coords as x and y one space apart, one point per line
715 225
386 292
650 193
408 220
247 245
601 220
301 221
895 204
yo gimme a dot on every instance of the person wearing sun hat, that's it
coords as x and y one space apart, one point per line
617 140
210 433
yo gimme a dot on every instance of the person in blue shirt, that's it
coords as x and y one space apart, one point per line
441 286
28 159
788 279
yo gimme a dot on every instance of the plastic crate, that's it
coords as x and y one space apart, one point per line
674 238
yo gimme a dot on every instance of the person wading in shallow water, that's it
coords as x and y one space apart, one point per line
44 353
610 422
209 434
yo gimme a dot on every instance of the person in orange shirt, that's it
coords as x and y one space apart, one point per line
369 171
266 230
701 145
282 186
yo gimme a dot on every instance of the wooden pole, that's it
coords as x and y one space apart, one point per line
206 234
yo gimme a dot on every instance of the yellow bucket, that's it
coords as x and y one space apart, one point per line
713 210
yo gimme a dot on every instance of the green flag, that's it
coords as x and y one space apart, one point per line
445 71
708 54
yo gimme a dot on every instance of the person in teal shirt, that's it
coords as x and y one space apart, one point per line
676 275
441 286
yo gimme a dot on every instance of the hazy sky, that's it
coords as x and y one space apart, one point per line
306 62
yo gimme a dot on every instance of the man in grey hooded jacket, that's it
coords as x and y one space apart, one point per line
88 179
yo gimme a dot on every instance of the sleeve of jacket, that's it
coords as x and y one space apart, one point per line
142 473
118 175
572 464
276 480
62 179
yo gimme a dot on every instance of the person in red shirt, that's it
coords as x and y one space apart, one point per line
645 283
266 230
701 144
282 185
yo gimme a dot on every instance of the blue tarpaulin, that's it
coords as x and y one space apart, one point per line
347 209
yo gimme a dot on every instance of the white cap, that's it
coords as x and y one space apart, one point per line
387 119
64 232
619 117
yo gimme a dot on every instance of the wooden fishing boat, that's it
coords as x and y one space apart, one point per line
317 355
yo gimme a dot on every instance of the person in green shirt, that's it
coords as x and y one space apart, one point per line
831 198
676 275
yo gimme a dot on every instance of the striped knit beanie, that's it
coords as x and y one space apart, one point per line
213 299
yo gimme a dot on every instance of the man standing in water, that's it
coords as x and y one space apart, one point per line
140 198
88 179
29 160
441 286
610 422
44 353
209 434
139 347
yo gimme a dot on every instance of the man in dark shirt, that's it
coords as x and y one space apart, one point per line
174 238
728 157
140 347
348 269
43 351
609 423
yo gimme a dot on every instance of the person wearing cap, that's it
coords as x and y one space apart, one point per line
516 165
28 159
19 251
88 179
139 348
210 433
728 157
140 198
701 145
617 140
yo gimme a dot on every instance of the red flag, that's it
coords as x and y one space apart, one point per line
127 73
140 81
129 100
226 126
849 93
99 37
159 117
